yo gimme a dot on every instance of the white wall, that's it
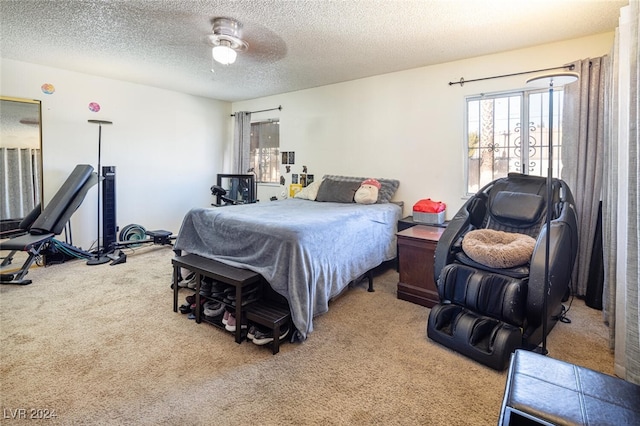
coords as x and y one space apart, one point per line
405 125
167 147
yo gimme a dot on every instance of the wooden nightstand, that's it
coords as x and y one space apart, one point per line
416 251
406 222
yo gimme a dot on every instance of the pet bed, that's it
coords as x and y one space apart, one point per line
498 249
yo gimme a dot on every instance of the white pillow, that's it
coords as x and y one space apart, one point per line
309 192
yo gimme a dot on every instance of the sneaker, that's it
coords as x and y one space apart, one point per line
225 317
253 292
192 282
217 294
252 332
205 288
185 282
252 298
213 309
262 338
218 287
231 324
253 329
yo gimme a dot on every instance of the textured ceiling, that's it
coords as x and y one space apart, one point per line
293 44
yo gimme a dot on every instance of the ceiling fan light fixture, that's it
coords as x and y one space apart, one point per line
223 53
226 40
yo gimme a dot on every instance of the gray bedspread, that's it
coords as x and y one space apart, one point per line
308 251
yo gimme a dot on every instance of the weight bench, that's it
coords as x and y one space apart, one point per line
50 222
23 228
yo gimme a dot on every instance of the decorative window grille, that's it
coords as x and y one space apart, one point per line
508 132
265 151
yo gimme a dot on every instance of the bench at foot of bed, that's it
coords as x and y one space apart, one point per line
274 316
203 267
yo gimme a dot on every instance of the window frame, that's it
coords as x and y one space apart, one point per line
255 163
525 131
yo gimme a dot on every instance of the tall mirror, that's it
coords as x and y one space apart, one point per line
20 161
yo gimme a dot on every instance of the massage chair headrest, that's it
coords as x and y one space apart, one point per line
517 208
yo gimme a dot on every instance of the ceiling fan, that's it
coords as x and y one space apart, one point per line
226 40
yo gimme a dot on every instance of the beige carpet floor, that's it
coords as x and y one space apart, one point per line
102 345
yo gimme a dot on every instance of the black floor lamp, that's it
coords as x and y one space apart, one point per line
550 81
99 257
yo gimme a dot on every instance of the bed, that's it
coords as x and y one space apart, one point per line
308 251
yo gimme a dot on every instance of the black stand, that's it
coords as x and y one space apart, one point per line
559 79
99 257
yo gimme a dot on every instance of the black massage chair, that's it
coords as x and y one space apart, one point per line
486 313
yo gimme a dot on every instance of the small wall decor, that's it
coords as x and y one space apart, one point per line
47 88
288 168
288 157
304 169
294 178
282 180
94 107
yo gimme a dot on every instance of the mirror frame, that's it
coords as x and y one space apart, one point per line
7 228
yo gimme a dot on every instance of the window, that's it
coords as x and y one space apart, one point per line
264 153
508 132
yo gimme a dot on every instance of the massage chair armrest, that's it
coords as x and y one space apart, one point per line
562 255
450 242
469 217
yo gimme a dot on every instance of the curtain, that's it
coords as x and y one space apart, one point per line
632 320
622 197
582 156
241 142
610 192
20 181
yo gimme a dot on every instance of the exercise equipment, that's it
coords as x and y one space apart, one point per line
109 224
130 236
221 194
40 227
234 189
49 223
134 235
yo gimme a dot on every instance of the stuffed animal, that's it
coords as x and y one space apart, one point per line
368 192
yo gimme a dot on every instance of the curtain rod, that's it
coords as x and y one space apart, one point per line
463 81
262 110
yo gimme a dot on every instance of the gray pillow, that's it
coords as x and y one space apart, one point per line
389 186
337 191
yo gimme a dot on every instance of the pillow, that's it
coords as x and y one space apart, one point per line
368 192
498 249
337 191
388 186
310 192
